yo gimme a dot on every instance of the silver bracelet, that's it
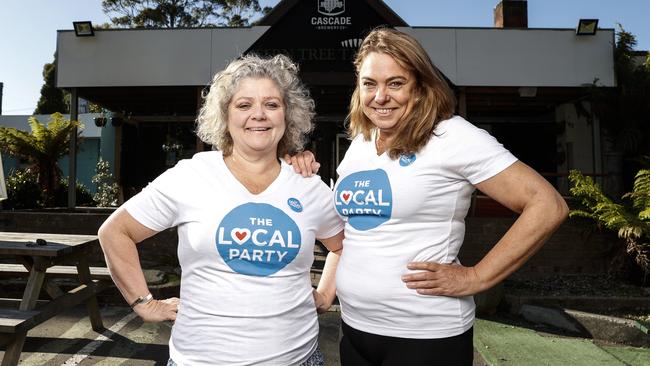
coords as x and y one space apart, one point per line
142 300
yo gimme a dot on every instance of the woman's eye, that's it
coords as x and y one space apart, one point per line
243 106
367 84
272 105
395 84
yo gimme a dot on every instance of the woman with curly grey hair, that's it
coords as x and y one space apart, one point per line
246 227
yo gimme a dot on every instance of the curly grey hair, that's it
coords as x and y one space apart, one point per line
212 122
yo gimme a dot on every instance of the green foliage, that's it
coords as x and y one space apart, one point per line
630 219
83 197
181 13
42 147
107 189
23 191
52 98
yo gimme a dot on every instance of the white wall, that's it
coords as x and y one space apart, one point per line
467 56
519 57
148 57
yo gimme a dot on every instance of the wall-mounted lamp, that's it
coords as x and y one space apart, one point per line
587 27
83 29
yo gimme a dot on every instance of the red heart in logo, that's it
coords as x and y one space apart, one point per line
240 235
346 196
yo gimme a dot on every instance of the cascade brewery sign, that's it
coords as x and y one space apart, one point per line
331 8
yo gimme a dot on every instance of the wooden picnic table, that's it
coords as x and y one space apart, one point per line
37 252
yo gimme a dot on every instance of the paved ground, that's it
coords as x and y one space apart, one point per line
68 340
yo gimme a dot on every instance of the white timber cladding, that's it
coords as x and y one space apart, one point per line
519 57
149 57
467 56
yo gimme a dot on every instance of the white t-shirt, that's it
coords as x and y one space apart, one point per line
409 209
246 296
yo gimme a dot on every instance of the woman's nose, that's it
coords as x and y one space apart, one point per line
381 96
258 113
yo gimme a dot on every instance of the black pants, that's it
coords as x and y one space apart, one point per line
366 349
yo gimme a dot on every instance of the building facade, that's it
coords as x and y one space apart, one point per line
525 86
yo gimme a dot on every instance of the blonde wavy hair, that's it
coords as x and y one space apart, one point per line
212 121
432 99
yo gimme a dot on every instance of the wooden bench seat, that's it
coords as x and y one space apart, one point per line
20 270
12 321
15 321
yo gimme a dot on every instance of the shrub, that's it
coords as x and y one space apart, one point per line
83 195
23 191
630 218
107 189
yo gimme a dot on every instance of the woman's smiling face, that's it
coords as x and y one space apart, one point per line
256 116
385 90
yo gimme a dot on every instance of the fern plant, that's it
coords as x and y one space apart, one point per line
630 218
42 147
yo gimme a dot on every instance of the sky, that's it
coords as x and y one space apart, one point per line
28 29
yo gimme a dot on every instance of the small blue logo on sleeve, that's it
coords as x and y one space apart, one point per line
294 204
406 160
365 198
257 239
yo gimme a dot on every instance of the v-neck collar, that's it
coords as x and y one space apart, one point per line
242 188
372 147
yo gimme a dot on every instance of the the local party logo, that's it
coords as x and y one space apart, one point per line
331 7
365 198
257 239
406 160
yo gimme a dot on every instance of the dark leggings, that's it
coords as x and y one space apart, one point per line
366 349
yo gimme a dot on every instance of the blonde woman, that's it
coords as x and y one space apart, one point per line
404 189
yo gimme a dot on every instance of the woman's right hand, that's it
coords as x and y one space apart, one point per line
303 163
322 305
158 310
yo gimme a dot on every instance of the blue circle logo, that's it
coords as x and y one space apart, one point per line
365 198
406 160
257 239
294 204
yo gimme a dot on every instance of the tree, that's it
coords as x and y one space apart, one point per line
52 98
180 13
41 148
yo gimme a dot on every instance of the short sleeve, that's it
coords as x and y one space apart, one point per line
473 153
350 155
330 222
157 205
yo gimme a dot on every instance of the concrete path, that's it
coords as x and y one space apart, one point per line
69 340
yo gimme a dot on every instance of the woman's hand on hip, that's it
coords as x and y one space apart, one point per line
438 279
158 310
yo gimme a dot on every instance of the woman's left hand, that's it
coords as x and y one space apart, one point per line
438 279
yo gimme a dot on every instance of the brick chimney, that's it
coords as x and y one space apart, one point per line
511 14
